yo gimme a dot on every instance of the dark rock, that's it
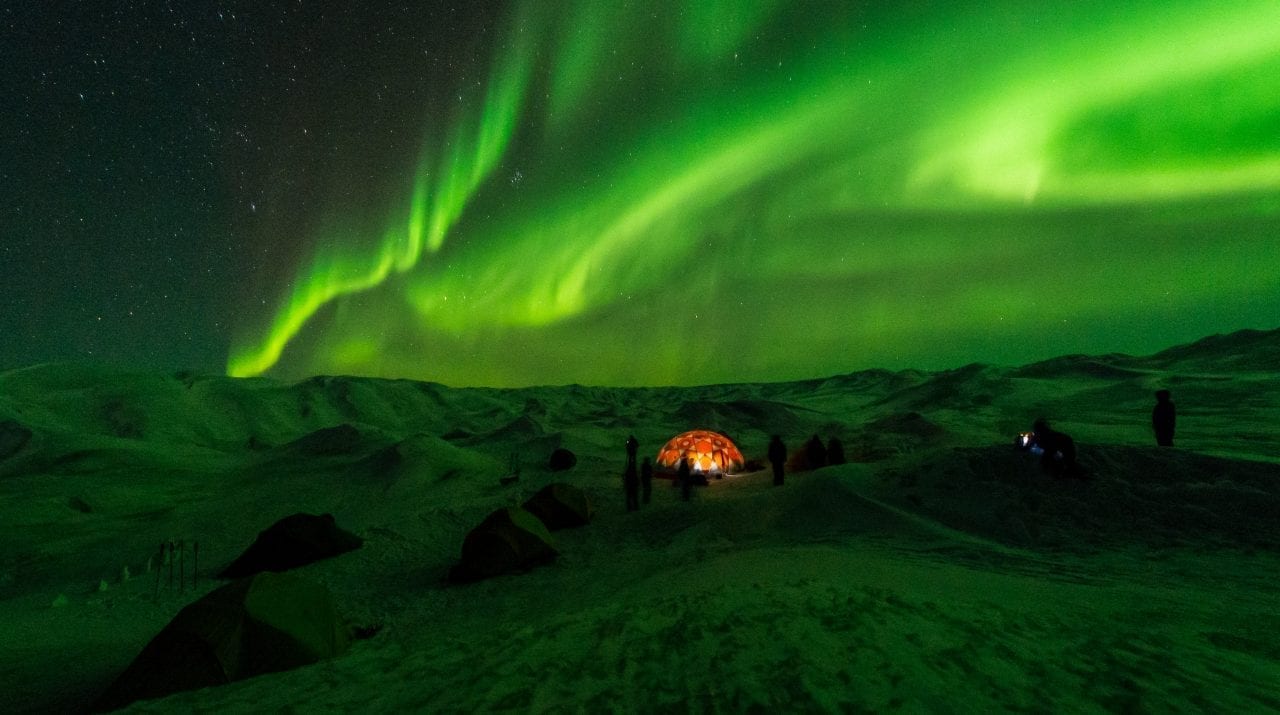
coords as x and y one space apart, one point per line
562 460
264 624
293 541
508 540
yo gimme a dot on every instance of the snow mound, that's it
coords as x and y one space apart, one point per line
1150 495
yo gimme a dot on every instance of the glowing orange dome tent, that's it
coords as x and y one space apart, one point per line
711 452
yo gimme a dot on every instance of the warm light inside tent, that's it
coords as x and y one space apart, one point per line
710 452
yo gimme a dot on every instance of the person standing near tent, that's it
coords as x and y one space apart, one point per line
835 451
646 479
815 453
631 485
1163 418
633 445
685 477
778 458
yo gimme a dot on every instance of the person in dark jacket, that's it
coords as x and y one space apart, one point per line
835 451
1059 457
646 480
778 458
815 453
1163 417
633 445
685 477
631 485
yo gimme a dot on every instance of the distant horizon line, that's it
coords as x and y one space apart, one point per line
187 372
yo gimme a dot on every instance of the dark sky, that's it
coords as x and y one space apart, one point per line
150 149
633 193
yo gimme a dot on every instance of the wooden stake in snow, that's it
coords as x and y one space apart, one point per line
175 550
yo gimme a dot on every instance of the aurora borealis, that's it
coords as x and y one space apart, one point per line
690 192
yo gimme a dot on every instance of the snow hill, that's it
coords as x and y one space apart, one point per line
940 569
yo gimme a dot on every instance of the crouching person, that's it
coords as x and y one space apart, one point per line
1059 455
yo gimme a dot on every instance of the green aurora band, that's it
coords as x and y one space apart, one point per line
738 191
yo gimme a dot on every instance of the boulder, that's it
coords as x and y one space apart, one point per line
560 506
508 540
562 460
263 624
294 541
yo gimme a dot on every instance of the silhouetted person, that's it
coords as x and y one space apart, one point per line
835 451
631 485
646 479
685 477
778 458
1059 449
1163 417
815 454
632 446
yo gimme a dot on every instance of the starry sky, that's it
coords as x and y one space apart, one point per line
633 193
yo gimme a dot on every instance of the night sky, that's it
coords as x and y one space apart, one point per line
633 193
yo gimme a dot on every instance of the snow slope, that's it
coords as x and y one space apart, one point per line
940 570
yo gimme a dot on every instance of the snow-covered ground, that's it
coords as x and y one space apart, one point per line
940 570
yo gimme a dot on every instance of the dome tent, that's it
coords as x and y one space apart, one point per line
711 452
